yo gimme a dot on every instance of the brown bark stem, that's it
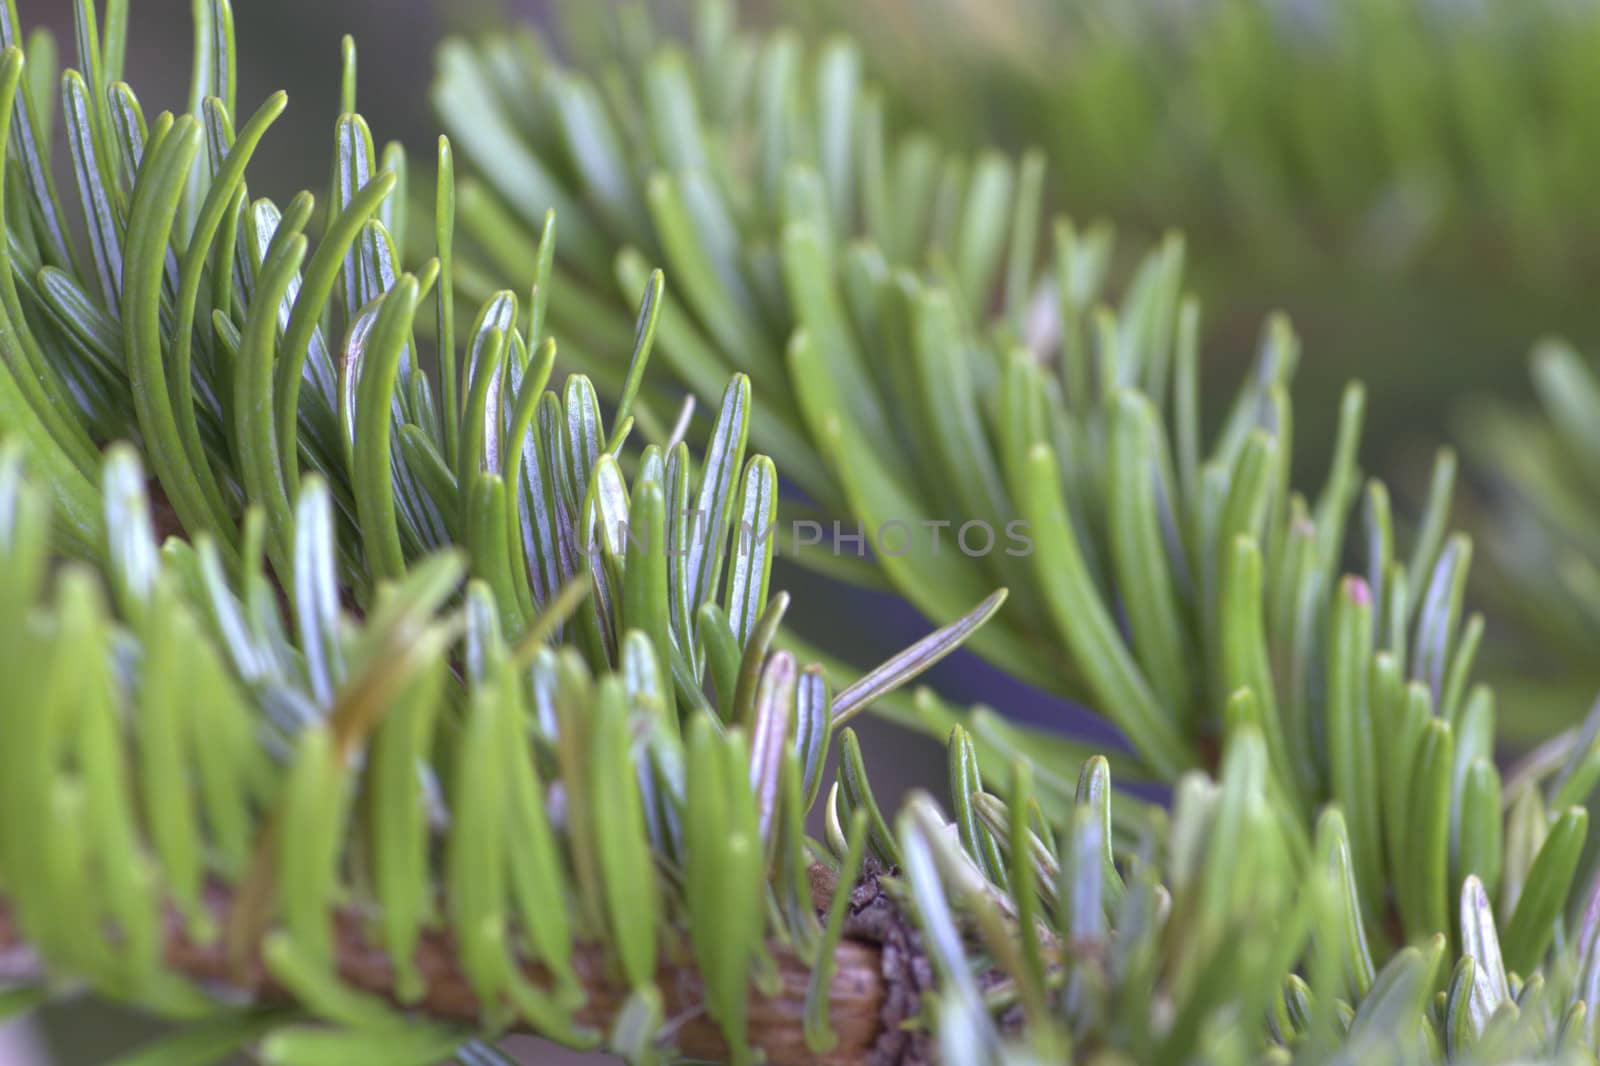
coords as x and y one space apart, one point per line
857 995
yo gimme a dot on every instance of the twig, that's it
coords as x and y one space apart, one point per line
857 994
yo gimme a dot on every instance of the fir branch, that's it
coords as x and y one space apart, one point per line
437 717
917 362
920 362
855 1001
318 709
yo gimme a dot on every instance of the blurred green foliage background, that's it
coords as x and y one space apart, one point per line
1410 179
